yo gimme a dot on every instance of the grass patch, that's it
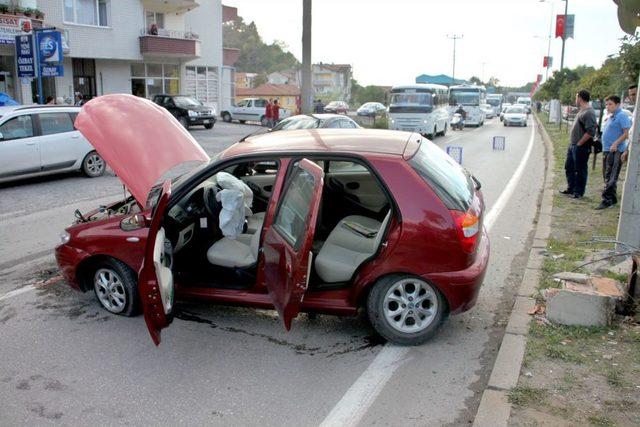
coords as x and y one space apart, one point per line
525 395
615 378
600 421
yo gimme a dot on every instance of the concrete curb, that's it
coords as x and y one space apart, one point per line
495 409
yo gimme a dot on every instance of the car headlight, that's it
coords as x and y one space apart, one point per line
425 122
193 113
65 237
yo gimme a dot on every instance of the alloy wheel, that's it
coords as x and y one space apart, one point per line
410 305
95 165
109 289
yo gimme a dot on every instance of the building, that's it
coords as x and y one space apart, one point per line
332 82
142 47
245 80
285 77
440 79
288 96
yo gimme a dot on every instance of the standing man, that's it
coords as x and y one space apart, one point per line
582 132
275 112
268 113
633 92
79 101
614 144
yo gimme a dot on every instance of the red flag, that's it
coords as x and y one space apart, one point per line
560 23
538 79
545 62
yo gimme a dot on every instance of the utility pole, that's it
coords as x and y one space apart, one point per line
564 33
482 78
306 90
454 37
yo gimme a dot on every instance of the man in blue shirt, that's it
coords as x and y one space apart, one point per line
614 144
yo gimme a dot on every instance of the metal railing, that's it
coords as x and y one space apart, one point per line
171 34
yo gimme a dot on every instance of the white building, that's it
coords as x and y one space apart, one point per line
143 47
332 82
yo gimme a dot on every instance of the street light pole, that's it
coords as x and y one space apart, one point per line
564 33
307 93
454 37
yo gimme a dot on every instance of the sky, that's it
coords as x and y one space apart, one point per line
391 42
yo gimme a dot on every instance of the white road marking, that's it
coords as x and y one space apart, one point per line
360 396
17 292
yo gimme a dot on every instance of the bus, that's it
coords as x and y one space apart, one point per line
471 97
495 100
420 108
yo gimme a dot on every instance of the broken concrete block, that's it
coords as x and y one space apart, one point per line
606 286
583 308
572 277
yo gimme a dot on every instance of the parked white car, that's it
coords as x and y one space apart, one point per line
515 116
41 139
251 109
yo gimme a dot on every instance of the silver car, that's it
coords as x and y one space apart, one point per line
41 139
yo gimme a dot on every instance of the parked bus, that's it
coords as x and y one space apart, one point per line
495 100
471 97
419 108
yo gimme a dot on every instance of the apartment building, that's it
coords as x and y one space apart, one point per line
332 82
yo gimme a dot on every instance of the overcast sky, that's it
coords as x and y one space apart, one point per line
391 42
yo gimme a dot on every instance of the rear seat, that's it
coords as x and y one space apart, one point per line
345 249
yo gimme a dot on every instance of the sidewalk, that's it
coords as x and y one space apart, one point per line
548 374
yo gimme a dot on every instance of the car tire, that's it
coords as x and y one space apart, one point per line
505 124
93 165
444 131
386 294
242 121
183 122
226 117
525 125
208 126
115 286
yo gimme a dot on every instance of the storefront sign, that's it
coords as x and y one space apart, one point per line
24 56
51 70
49 47
12 26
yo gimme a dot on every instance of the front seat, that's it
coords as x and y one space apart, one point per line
345 248
231 253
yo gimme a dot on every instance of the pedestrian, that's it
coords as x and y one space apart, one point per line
581 138
614 144
633 92
50 100
79 100
268 113
275 112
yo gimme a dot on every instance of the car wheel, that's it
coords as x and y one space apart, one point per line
263 121
183 122
525 125
406 310
505 124
444 131
116 288
208 126
226 117
93 165
242 121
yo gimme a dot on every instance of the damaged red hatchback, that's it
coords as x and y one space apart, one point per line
323 221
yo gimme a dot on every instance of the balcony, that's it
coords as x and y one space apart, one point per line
167 6
169 43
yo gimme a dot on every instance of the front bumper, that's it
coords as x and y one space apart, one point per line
461 288
515 122
68 259
202 120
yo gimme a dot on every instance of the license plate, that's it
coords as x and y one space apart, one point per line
206 122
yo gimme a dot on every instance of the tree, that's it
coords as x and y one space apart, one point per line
475 80
629 57
362 94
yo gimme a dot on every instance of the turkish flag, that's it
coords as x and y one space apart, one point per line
545 62
560 23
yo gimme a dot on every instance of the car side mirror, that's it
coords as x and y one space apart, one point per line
135 222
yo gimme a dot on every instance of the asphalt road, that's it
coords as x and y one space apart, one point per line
66 361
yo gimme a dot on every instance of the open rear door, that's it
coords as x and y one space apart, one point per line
155 281
287 243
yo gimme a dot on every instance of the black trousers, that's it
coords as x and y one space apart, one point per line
611 165
576 168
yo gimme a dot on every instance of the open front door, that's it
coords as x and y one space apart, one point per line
155 281
287 243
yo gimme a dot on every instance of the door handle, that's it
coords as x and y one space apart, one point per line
31 143
76 137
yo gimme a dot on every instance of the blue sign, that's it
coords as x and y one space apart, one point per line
47 70
25 59
455 152
49 47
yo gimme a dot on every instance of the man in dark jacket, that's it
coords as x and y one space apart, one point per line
584 128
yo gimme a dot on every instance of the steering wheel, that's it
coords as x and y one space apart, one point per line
210 203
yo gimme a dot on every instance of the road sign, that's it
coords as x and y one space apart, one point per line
25 60
455 153
49 46
499 142
51 70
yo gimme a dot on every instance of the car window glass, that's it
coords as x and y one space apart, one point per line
242 103
17 127
73 119
294 208
348 124
52 123
344 166
259 103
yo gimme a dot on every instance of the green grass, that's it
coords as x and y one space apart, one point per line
600 421
526 396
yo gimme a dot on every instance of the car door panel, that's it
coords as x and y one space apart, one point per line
286 250
155 281
19 148
61 147
263 182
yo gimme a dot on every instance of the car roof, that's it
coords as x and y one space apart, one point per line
321 116
35 107
334 141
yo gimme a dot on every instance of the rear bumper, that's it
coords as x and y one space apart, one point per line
461 288
68 259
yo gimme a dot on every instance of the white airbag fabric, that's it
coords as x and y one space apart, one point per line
226 181
232 212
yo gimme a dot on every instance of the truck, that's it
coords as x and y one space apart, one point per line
250 109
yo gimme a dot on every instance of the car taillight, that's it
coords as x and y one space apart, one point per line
468 228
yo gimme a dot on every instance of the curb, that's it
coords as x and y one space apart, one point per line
495 409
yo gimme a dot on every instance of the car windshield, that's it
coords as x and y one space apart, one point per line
465 98
448 179
515 110
493 101
304 122
186 101
405 98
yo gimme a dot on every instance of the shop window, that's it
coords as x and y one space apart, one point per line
148 80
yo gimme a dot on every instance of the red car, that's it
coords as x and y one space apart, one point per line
337 107
340 219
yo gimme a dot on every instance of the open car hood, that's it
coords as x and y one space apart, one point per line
140 140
